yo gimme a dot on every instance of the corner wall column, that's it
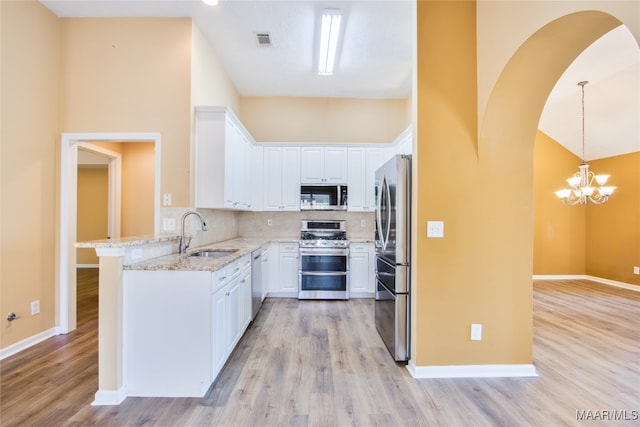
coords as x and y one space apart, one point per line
111 390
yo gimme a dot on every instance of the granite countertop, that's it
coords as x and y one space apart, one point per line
237 248
178 262
128 241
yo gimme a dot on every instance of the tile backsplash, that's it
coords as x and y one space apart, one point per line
222 225
225 225
360 225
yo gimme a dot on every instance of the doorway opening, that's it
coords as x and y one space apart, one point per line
70 143
98 195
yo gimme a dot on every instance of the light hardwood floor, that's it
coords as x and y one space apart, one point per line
315 363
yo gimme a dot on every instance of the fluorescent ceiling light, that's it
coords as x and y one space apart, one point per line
329 33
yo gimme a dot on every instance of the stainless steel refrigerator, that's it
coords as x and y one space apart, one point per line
393 245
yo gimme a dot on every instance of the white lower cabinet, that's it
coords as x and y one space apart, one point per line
231 309
167 333
181 326
361 270
283 280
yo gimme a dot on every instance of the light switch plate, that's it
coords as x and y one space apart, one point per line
435 229
476 332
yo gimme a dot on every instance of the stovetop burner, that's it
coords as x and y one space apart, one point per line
324 234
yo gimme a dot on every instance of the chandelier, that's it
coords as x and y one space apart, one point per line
582 190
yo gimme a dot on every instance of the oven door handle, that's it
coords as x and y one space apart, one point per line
324 273
315 252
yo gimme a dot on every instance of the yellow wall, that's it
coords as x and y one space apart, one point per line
597 240
474 274
289 119
481 187
138 172
559 230
29 133
93 210
613 229
131 75
210 84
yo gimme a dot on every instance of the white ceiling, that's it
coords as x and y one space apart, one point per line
375 60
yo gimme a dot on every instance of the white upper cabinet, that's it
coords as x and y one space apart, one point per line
223 153
404 142
363 162
323 165
281 178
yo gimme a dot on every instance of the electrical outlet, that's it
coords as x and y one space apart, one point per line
35 307
636 270
435 229
476 332
167 199
169 224
136 254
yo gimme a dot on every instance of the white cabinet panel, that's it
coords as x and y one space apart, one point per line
361 270
335 165
281 178
283 280
167 333
222 153
311 165
221 332
323 165
363 162
356 179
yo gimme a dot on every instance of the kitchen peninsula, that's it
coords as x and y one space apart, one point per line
150 297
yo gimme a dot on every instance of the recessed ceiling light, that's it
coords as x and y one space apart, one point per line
210 2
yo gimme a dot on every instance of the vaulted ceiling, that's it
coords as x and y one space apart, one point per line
375 60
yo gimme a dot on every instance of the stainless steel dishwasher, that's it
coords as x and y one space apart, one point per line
256 282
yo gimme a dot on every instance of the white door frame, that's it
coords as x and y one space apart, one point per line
66 319
114 184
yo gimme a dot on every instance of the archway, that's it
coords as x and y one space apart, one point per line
477 177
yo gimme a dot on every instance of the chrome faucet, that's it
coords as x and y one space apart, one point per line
183 243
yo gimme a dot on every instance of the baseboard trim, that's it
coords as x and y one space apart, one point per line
472 371
559 277
109 397
601 280
87 266
615 283
28 342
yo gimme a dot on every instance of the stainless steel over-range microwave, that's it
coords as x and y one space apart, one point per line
331 197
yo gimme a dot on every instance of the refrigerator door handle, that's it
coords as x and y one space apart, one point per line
383 214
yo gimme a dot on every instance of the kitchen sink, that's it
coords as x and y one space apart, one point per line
212 253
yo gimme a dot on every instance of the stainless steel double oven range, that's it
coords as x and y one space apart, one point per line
324 260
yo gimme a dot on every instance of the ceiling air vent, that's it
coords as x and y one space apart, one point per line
264 39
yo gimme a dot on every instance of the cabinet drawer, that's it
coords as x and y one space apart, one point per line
221 278
289 247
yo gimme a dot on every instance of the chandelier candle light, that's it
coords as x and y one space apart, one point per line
582 191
